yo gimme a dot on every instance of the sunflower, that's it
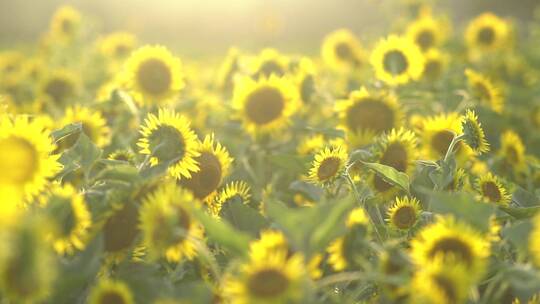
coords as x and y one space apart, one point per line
485 91
10 62
534 240
339 251
397 60
168 226
270 62
436 63
214 162
342 50
305 80
460 180
167 137
437 134
92 122
27 265
65 23
68 210
426 32
453 243
232 190
512 152
109 291
59 88
278 278
117 46
123 155
492 190
228 69
473 134
153 75
328 164
266 104
26 159
310 145
404 213
487 32
365 115
439 282
396 149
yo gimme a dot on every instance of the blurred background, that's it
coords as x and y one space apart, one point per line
200 27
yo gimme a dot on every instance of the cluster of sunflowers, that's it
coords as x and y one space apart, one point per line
363 175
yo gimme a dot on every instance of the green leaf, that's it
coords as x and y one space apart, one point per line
120 172
443 174
84 154
518 235
67 130
521 212
390 175
291 162
243 217
224 234
524 198
524 281
463 206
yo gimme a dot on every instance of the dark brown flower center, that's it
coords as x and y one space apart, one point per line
491 192
441 141
59 90
154 77
268 283
486 36
345 53
452 246
370 114
328 168
425 39
208 178
395 62
111 297
447 287
121 229
265 105
404 217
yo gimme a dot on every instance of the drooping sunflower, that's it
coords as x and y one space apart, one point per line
232 190
68 210
214 162
397 60
168 226
153 75
266 104
473 134
512 152
426 32
65 23
404 213
436 63
27 266
117 46
342 50
366 114
328 164
452 242
92 122
396 149
276 279
340 251
59 88
108 291
26 160
492 190
167 137
270 62
439 282
437 134
488 32
485 91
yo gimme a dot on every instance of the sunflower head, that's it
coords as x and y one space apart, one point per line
396 149
367 114
436 63
153 75
485 91
168 226
473 133
270 62
488 32
214 162
123 155
397 60
341 49
328 165
265 105
437 134
404 213
26 158
65 23
233 190
93 125
453 242
512 152
59 88
68 210
305 80
168 138
278 278
117 46
427 32
109 291
492 190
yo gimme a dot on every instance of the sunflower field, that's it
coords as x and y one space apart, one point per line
402 168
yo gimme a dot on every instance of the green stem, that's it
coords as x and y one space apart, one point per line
454 142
